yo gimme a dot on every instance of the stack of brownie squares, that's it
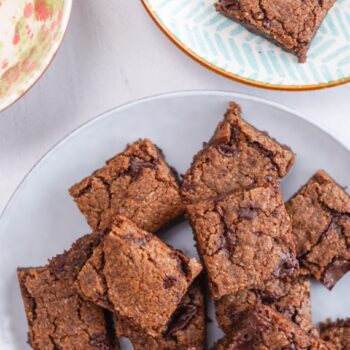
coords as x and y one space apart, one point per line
258 253
121 280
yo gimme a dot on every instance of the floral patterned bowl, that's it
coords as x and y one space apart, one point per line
31 32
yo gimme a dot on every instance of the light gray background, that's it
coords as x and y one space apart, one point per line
113 53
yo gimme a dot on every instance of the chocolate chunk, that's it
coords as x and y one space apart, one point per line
226 150
267 298
181 319
232 4
137 165
334 272
183 263
169 282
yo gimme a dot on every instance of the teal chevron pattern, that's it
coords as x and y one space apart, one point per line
228 46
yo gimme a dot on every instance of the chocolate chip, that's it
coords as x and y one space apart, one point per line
287 266
183 263
334 272
169 282
137 165
84 190
226 150
181 318
232 4
267 298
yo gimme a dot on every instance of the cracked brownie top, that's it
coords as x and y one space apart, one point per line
237 157
337 333
58 317
291 24
184 331
290 296
137 184
266 329
136 275
320 214
244 239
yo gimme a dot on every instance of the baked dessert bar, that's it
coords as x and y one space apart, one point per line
237 157
137 276
320 214
290 296
58 317
185 330
136 183
244 239
291 24
266 329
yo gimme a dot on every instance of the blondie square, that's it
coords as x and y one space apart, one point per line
136 183
136 275
266 329
290 24
320 214
244 239
237 157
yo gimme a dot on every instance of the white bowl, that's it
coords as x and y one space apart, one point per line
30 34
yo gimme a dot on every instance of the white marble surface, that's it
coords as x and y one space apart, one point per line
113 53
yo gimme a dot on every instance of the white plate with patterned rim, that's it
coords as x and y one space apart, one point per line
228 49
41 219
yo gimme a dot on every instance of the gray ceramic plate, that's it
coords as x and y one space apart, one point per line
41 219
